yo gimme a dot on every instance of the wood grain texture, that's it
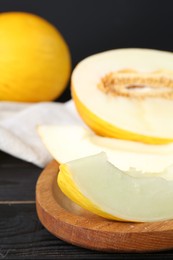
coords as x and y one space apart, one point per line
68 221
17 179
22 236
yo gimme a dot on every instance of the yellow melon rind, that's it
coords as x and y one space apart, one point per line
103 128
69 188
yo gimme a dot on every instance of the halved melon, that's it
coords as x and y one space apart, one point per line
126 94
67 143
98 186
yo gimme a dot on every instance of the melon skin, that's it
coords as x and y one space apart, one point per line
146 120
35 60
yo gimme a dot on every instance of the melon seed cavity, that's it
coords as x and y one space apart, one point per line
131 83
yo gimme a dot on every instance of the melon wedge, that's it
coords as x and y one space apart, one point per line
126 94
98 186
67 143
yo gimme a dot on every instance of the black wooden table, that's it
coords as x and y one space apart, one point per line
21 234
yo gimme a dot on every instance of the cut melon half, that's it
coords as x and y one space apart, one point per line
98 186
126 94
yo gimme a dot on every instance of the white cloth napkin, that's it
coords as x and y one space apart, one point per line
18 123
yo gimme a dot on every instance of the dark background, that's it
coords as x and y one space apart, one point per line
91 26
88 26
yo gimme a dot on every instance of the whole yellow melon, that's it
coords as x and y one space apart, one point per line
35 61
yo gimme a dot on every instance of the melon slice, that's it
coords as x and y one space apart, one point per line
126 94
98 186
67 143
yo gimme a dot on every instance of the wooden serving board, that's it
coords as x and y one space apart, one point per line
71 223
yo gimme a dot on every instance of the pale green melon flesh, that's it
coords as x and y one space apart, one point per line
121 195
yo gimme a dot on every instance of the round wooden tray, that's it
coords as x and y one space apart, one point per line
71 223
